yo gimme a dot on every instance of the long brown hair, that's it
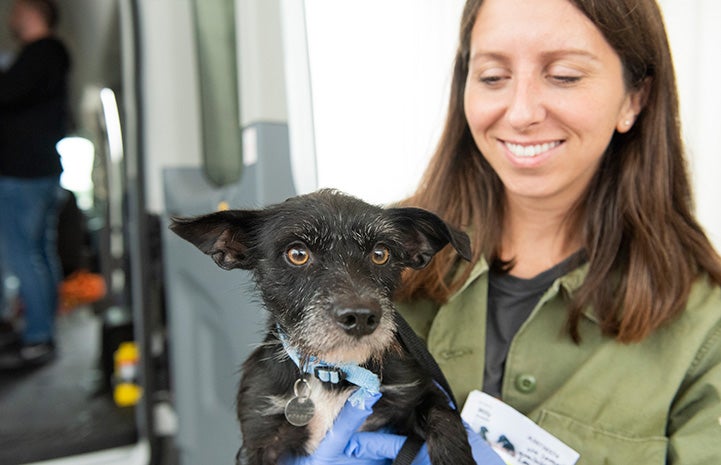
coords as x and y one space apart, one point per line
644 246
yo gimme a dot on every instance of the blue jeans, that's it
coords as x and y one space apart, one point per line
29 211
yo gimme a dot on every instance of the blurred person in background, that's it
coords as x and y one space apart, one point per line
34 116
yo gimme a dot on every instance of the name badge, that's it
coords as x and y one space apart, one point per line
514 437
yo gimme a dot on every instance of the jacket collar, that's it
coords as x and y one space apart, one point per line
570 282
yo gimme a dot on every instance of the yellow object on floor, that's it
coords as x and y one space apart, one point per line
127 391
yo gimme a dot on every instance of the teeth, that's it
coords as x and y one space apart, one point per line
530 150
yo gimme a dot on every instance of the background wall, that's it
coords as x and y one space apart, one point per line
695 35
380 75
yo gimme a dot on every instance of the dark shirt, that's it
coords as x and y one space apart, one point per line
510 302
34 110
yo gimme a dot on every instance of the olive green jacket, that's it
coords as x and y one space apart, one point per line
653 402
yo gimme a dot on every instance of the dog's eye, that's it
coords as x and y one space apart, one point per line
297 254
380 255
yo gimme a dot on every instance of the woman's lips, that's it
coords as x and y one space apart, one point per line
531 150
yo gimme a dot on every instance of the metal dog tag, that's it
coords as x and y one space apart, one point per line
300 409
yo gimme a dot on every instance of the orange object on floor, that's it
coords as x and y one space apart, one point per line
80 288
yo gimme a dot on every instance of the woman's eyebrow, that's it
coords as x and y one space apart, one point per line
547 55
570 52
488 56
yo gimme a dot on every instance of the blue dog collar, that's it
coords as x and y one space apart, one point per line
368 382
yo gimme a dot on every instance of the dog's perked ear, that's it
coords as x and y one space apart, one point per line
425 234
226 236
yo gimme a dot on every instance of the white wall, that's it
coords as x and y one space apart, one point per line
379 77
379 72
695 35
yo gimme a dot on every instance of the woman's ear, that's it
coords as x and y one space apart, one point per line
636 101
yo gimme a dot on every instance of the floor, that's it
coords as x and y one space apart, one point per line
61 409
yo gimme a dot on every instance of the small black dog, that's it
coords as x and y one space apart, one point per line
326 265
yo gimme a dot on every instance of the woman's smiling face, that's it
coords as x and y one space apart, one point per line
543 97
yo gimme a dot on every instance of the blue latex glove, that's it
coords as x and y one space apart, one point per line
376 446
331 449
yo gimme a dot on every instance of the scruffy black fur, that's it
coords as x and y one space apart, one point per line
326 265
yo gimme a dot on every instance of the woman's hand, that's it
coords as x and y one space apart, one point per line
377 446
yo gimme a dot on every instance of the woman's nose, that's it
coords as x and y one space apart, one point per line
525 106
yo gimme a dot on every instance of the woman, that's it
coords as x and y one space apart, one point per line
593 302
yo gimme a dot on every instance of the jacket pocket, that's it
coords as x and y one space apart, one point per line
603 447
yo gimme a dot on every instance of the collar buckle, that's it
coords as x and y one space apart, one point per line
329 374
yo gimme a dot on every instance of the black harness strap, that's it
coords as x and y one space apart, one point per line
418 349
409 450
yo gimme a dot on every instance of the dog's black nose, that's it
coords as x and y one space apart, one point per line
357 321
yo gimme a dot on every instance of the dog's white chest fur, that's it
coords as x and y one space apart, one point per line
327 406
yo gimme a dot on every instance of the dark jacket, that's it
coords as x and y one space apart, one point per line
34 110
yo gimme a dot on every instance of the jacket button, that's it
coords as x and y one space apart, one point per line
526 383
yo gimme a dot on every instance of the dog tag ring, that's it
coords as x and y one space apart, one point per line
300 409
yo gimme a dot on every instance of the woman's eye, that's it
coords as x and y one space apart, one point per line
565 79
380 255
488 75
297 254
491 80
